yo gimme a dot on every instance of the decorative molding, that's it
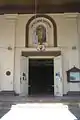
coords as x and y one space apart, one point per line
41 48
71 15
11 16
40 53
39 21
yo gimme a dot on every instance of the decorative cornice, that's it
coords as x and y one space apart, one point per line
11 16
71 15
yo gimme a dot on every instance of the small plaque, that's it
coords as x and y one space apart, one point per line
73 75
8 73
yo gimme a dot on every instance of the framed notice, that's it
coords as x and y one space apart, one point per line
73 75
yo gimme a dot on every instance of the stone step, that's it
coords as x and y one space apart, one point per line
7 93
73 93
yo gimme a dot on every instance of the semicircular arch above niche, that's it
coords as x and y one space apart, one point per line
41 30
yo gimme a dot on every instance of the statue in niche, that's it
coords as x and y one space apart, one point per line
41 34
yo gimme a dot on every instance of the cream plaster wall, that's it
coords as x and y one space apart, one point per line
6 64
67 37
12 33
7 39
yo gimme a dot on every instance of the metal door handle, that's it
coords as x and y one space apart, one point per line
54 85
29 85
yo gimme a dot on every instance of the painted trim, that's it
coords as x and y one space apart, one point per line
47 17
49 53
41 57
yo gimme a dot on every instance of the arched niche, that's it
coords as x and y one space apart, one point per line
54 27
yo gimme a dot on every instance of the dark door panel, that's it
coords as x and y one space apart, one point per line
41 77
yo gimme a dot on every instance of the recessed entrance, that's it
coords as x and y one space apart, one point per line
41 77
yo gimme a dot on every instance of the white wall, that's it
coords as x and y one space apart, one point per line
70 59
78 29
7 34
12 33
67 38
17 70
66 34
21 29
6 64
7 38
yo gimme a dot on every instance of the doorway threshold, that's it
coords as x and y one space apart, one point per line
41 96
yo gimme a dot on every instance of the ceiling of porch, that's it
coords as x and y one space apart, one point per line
42 6
31 2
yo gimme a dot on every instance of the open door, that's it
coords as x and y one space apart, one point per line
24 76
58 90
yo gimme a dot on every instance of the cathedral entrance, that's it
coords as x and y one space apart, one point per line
41 77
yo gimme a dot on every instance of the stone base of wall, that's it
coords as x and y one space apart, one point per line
12 93
72 93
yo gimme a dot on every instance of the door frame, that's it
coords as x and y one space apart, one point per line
39 57
58 76
24 79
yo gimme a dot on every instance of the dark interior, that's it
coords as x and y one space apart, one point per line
41 77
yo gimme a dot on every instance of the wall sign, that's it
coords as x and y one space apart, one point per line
8 73
73 75
58 76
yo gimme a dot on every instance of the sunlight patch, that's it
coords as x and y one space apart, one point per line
38 111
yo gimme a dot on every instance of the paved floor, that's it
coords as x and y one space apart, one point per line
39 98
73 102
75 109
